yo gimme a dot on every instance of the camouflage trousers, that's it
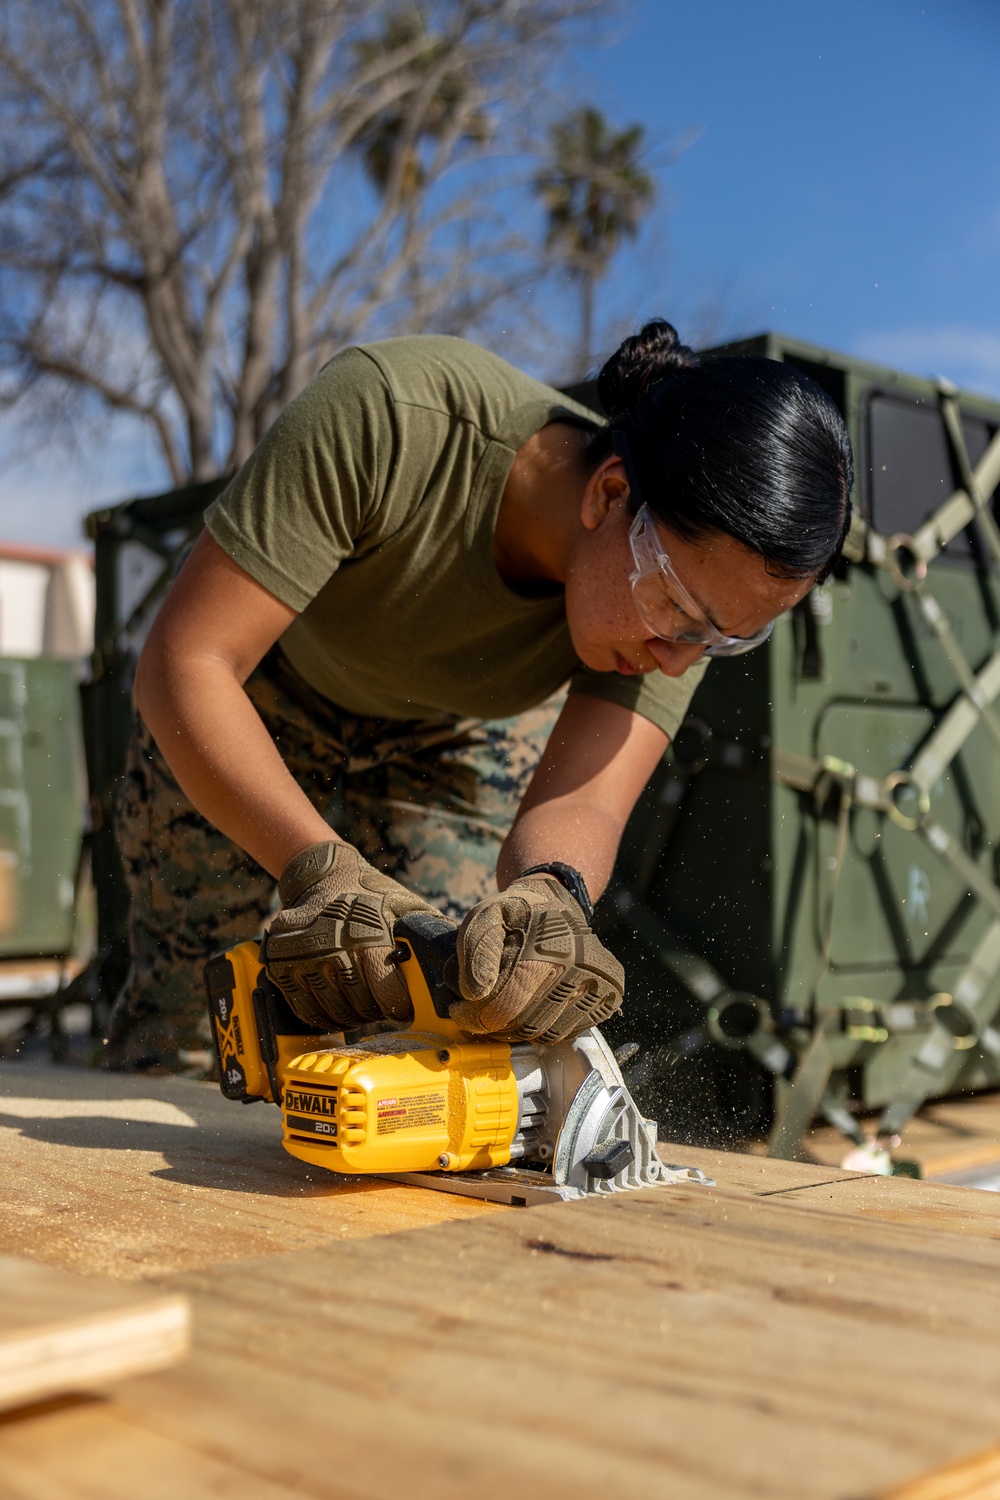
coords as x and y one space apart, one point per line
427 802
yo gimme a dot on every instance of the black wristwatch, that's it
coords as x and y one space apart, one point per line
571 879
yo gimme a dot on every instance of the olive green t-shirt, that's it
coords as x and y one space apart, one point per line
370 506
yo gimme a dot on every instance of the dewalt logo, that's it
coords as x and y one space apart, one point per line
309 1104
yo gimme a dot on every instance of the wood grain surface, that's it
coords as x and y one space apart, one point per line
973 1478
793 1332
138 1177
900 1200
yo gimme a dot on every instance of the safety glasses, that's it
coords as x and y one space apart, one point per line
662 602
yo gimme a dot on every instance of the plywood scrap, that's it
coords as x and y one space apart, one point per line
62 1333
974 1478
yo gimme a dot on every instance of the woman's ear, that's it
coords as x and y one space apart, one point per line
606 489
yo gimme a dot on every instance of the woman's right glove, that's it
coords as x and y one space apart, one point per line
329 949
530 968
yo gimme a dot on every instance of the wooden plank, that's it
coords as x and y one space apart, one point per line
682 1341
975 1478
138 1177
796 1333
61 1333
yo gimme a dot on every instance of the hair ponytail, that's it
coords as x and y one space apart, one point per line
638 363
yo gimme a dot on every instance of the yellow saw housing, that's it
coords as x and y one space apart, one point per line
516 1124
425 1099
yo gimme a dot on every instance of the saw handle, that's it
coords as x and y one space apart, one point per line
426 953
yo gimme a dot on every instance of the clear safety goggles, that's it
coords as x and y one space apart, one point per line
662 602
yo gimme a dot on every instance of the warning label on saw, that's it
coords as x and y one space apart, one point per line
409 1111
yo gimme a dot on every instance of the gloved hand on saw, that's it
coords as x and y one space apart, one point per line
329 949
530 968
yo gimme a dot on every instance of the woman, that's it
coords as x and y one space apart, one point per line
366 652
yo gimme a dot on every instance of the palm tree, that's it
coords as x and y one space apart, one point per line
391 142
595 193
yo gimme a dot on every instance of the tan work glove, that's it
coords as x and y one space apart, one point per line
529 967
329 949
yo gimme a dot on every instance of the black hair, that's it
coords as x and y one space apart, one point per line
746 446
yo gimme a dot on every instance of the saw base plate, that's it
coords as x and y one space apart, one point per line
524 1187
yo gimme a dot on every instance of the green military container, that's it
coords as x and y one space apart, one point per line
42 799
792 923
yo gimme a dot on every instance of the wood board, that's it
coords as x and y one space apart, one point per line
61 1333
974 1478
795 1331
683 1341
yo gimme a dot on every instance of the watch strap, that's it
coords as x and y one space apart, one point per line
570 879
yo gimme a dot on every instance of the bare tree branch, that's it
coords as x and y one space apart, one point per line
189 221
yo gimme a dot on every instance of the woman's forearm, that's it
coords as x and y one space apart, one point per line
597 761
223 757
571 829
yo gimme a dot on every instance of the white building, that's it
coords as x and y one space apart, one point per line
46 602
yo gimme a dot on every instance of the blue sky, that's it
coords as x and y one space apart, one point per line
840 182
843 183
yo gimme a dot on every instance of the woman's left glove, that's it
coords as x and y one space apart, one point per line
330 947
530 968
